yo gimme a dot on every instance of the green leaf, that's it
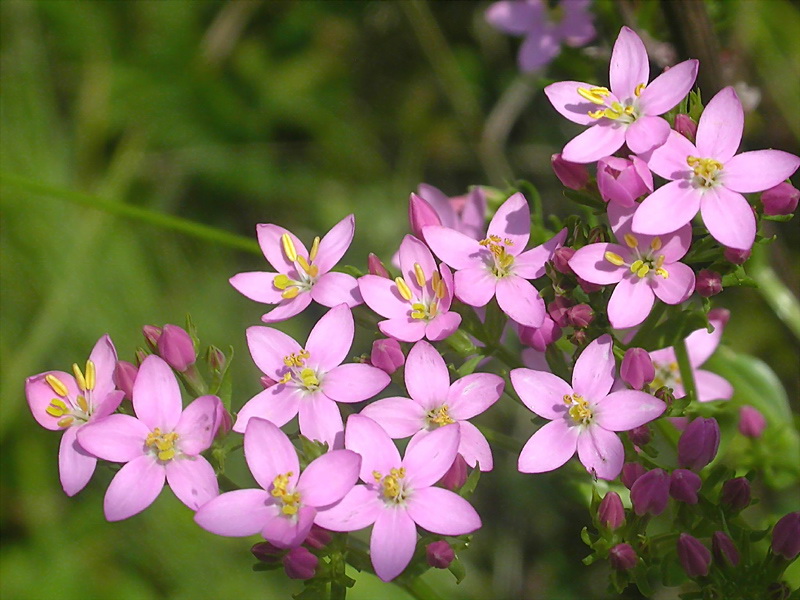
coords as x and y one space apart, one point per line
471 483
675 327
469 367
457 569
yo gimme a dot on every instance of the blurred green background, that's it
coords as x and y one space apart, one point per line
236 113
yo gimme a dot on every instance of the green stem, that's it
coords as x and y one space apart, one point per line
777 295
687 373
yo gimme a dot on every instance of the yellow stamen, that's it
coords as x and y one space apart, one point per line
303 264
377 475
56 408
636 265
440 416
419 274
418 311
639 89
660 261
281 282
56 385
596 114
314 249
594 95
91 375
643 270
309 377
435 280
656 243
288 247
433 309
290 293
403 288
631 240
614 259
286 378
83 404
76 370
66 421
662 272
164 443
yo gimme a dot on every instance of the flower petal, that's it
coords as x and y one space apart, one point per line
513 17
414 252
269 453
626 409
474 447
719 131
334 244
590 263
358 509
669 160
438 201
453 247
520 300
269 347
601 452
729 218
269 238
629 66
530 264
538 48
320 420
399 417
278 404
600 140
104 357
156 395
135 486
667 209
285 532
198 425
354 382
382 296
39 394
647 133
549 448
594 370
258 286
427 460
392 544
759 170
329 477
677 287
117 438
473 394
236 514
543 393
701 344
512 221
378 452
711 386
630 303
192 480
426 376
669 88
475 285
75 464
331 338
288 308
442 512
332 289
564 97
403 329
442 326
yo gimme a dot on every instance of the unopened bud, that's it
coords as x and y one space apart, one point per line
637 368
387 355
573 175
686 126
267 382
694 557
781 199
267 553
698 443
630 473
151 334
666 395
557 310
736 493
751 422
640 436
580 315
623 180
124 376
588 287
439 554
724 550
140 355
216 359
622 557
708 283
318 537
684 485
375 266
650 493
539 338
175 346
578 338
735 256
421 214
611 513
786 536
561 259
456 475
299 563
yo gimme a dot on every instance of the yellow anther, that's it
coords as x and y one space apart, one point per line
433 309
418 311
614 259
631 240
167 454
567 399
91 375
56 385
419 274
440 416
290 293
656 243
643 270
66 421
314 249
290 509
286 378
660 261
79 378
440 289
56 408
508 242
662 272
594 95
83 404
628 110
288 247
281 282
636 265
303 263
596 114
377 475
309 377
435 280
164 443
639 89
403 288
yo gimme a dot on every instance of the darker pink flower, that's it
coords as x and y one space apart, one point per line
466 213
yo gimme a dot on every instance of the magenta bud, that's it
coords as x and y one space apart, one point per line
780 200
637 368
216 359
225 422
693 556
387 355
665 394
557 310
266 552
686 126
640 436
588 287
539 338
724 550
439 554
751 422
299 563
736 493
708 283
622 557
786 536
124 376
611 513
573 175
623 180
267 382
580 315
698 443
176 347
735 256
318 537
421 214
375 266
684 485
578 338
561 259
650 493
630 473
151 334
456 475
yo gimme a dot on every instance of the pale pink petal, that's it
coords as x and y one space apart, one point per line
107 406
330 339
382 296
320 420
530 264
135 486
601 452
378 452
600 140
513 17
449 285
258 286
677 287
701 344
576 27
426 376
438 201
719 130
594 370
630 303
474 214
332 289
269 238
629 66
429 459
647 133
667 209
192 480
236 514
675 245
75 464
590 263
475 285
442 326
289 532
520 300
403 329
669 88
198 425
354 382
39 394
334 244
288 308
711 386
104 357
473 394
414 252
729 218
156 395
564 97
474 447
358 509
669 161
512 221
758 170
399 417
626 409
392 544
269 347
538 48
549 448
541 392
453 247
328 478
117 438
269 453
442 511
278 405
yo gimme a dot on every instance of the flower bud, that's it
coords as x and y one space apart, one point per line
630 473
439 554
561 259
124 376
176 347
140 355
779 591
698 443
421 214
611 513
540 337
623 180
650 493
318 537
299 563
640 436
224 420
151 334
573 175
387 355
216 359
456 475
375 266
735 256
684 485
266 552
578 338
622 557
708 283
780 200
686 126
724 550
693 556
786 536
637 368
580 315
751 422
557 310
588 287
665 394
267 382
736 493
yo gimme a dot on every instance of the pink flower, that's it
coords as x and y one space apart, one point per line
61 402
644 268
628 112
160 442
466 213
417 304
302 275
310 380
710 179
584 416
289 502
623 180
435 403
497 264
397 494
700 345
